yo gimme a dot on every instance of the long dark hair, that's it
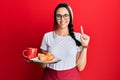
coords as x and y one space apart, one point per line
70 25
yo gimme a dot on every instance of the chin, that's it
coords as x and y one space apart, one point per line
63 26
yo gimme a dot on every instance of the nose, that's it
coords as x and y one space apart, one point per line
62 18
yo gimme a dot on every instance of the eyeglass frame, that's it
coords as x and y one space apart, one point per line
59 16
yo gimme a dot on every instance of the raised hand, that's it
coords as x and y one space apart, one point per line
84 38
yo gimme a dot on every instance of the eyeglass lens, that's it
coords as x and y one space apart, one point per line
59 16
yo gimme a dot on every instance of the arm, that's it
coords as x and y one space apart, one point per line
43 65
81 59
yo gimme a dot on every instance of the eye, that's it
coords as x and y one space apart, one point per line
66 15
58 15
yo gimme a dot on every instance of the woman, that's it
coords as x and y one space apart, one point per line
69 46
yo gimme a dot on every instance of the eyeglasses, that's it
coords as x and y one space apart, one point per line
59 16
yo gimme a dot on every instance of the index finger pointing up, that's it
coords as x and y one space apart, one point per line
82 32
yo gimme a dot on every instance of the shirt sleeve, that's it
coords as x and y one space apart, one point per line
44 43
79 48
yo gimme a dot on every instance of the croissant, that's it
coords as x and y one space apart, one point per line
47 56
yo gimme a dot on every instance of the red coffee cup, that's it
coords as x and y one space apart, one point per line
30 53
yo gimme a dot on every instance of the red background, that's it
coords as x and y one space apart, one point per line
23 23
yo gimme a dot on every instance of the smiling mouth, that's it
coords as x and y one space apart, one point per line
62 23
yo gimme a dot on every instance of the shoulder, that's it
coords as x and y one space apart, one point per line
49 33
77 34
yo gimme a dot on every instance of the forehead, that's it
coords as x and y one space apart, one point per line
62 11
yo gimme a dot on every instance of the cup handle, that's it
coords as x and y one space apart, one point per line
24 54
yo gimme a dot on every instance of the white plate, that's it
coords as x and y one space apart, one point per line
41 61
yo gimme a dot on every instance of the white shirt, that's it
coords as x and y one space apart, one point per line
64 48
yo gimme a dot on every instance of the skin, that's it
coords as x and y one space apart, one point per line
62 23
62 30
81 57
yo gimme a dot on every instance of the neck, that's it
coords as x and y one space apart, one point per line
62 32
